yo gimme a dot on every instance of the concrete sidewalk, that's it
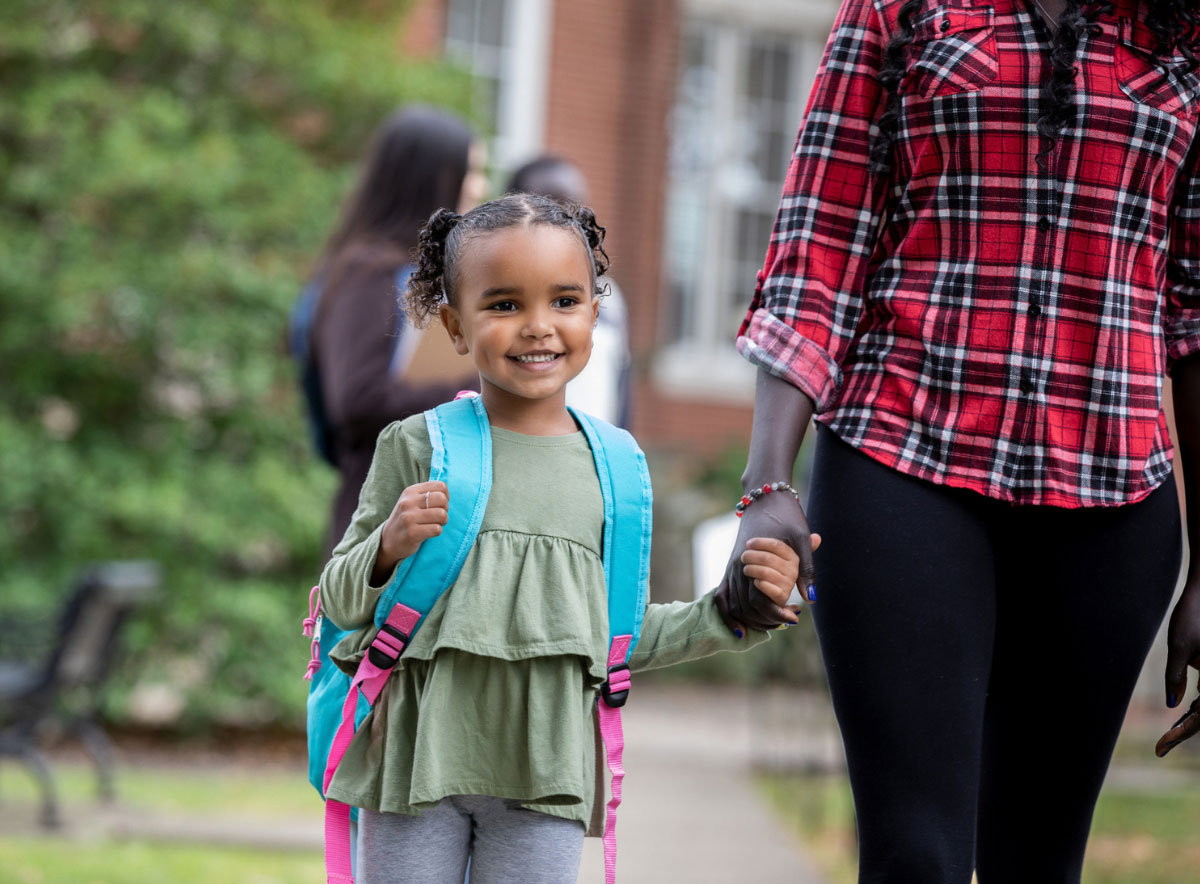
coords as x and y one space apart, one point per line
690 810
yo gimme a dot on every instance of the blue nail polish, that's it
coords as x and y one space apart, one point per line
812 593
738 633
1171 701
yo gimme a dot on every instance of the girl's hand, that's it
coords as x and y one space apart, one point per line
774 568
1183 650
741 603
418 515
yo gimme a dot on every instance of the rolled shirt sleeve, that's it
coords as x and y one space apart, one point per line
808 300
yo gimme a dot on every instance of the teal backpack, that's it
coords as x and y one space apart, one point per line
461 440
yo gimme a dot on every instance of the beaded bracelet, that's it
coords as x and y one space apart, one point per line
755 493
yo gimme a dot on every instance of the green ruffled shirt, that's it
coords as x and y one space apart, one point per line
496 694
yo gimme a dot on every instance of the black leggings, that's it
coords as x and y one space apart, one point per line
980 657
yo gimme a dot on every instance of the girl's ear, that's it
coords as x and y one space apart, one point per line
452 322
595 310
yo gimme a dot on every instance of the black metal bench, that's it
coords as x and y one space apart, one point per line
61 691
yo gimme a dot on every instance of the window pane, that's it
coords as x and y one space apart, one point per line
691 169
738 102
475 38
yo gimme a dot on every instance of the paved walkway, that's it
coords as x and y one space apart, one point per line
691 811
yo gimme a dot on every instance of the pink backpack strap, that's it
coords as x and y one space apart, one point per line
613 694
369 680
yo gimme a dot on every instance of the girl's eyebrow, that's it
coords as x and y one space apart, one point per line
568 287
499 291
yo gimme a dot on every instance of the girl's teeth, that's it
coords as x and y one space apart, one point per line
541 357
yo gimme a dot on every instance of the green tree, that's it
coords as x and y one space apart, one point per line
167 172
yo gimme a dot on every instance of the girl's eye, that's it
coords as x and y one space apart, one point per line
502 307
566 301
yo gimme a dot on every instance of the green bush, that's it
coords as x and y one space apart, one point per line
167 172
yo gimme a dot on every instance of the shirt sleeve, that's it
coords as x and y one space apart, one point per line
348 597
683 631
809 296
1181 315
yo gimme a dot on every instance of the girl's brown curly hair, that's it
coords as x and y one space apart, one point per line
442 239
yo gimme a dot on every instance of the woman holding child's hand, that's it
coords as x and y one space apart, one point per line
956 289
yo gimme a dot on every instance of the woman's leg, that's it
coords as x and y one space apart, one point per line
905 615
514 844
1081 596
397 848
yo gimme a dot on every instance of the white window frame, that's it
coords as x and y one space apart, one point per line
521 73
700 360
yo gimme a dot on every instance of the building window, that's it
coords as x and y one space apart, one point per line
740 97
475 38
505 44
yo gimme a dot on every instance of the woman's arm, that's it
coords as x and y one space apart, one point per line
782 414
1183 633
1181 328
809 299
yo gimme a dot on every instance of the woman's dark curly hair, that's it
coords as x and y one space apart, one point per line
441 241
1173 23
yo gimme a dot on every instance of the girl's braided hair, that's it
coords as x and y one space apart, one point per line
442 239
1174 24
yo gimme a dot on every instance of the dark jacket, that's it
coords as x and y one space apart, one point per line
354 339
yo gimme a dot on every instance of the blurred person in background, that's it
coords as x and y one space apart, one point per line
349 323
603 387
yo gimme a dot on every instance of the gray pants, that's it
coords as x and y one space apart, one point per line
503 841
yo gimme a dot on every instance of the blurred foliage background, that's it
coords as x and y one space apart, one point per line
167 174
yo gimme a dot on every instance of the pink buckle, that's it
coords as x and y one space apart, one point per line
615 690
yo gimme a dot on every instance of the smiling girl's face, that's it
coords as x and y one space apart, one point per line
523 309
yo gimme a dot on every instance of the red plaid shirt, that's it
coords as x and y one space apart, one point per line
974 320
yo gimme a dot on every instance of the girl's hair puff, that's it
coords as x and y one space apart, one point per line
442 239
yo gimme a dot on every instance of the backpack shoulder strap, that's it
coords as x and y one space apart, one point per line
628 523
461 440
628 514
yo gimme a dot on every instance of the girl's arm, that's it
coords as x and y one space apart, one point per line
350 583
684 631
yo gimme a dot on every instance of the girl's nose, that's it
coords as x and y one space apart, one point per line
538 324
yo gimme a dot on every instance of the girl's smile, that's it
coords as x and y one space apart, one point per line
524 311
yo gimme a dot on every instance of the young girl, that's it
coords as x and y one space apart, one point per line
482 744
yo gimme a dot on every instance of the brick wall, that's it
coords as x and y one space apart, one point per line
610 89
424 29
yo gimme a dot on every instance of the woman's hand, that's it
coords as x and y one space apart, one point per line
418 515
772 520
1183 650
